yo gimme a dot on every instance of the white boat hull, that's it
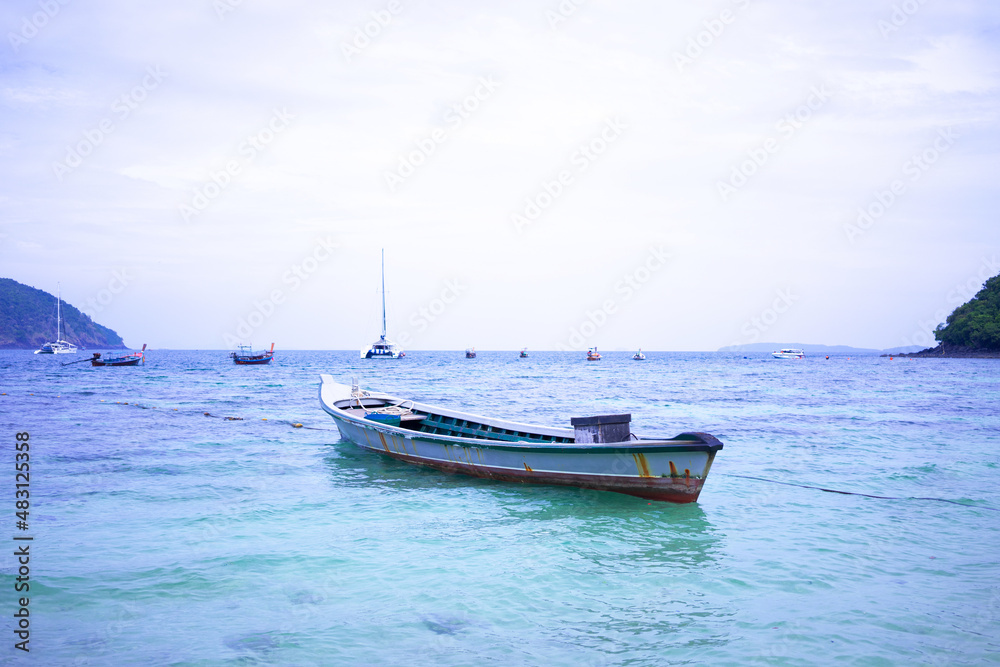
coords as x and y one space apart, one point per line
59 347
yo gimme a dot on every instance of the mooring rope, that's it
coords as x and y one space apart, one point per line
855 493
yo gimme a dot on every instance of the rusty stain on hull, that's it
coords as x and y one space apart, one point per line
382 438
527 468
673 469
642 465
708 465
649 488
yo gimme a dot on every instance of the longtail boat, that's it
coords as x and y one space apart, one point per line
247 357
128 359
597 453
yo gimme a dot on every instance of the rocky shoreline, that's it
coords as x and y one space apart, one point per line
949 351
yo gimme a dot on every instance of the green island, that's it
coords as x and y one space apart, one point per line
972 330
28 320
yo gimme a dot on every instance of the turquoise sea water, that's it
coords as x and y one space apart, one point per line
165 536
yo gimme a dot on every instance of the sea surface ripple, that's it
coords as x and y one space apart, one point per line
165 535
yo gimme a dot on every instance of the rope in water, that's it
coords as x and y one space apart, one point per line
866 495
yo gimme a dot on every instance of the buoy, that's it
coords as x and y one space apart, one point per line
207 415
263 419
297 425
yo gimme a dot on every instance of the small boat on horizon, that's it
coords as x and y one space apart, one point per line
383 348
245 356
59 346
524 353
593 354
788 353
127 359
599 452
470 353
639 356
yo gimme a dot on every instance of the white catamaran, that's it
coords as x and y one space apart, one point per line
60 346
383 348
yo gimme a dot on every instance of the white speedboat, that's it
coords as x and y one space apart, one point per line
60 346
788 353
383 348
639 356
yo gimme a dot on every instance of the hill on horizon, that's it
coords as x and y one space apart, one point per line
976 323
28 320
817 349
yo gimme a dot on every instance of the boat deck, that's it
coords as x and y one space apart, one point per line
435 424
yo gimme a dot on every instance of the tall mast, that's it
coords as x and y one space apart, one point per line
383 292
58 314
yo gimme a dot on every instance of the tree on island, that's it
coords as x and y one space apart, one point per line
976 323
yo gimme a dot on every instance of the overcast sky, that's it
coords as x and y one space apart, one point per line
664 175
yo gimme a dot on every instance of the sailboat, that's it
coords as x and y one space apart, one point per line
60 346
383 348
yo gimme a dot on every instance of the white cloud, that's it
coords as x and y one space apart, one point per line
353 120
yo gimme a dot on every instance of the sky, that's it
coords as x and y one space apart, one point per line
551 175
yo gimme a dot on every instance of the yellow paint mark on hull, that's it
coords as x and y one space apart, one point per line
527 468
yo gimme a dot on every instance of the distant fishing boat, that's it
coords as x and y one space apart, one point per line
788 353
383 348
524 353
245 356
597 453
470 353
639 356
127 359
59 346
593 354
